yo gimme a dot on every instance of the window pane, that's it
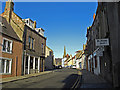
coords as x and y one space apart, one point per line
31 62
29 41
26 66
8 49
36 63
42 47
4 45
27 21
7 66
32 42
2 66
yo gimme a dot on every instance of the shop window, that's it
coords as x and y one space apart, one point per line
36 63
31 62
26 64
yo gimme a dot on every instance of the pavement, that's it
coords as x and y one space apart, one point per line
90 80
11 79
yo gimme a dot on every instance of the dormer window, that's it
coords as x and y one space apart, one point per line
39 31
27 21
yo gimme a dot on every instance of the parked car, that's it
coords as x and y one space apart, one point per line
58 67
73 66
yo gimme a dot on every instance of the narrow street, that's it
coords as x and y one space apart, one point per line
60 78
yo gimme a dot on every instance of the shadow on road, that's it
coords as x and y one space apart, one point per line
70 80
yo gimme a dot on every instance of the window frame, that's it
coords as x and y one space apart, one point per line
31 44
42 46
29 39
5 65
6 46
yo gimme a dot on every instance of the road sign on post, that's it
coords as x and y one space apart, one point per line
102 42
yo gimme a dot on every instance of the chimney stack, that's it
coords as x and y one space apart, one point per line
34 24
94 16
9 9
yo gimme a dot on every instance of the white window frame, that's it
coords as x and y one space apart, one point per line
10 65
11 44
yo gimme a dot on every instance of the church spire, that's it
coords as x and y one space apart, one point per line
64 52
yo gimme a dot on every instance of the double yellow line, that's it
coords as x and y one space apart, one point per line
75 85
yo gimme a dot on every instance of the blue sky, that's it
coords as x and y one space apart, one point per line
65 23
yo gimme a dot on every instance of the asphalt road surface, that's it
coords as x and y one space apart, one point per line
60 78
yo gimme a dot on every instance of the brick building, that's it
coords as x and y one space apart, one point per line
11 58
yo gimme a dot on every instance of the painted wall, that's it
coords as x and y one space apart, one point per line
49 59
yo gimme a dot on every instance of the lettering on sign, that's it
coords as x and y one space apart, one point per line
102 42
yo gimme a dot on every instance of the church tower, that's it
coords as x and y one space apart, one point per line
64 52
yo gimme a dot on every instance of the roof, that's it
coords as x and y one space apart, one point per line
49 48
7 29
42 29
35 32
78 51
78 55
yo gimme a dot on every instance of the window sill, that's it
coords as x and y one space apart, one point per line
32 50
7 52
5 73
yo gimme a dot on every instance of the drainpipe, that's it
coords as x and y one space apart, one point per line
24 50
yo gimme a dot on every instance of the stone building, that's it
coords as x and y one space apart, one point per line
112 13
104 59
34 48
81 58
58 61
11 55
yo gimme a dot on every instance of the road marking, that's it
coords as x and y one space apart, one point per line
78 80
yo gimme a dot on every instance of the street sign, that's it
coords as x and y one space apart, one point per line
99 51
102 42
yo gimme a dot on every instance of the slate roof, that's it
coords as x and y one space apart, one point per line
6 29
